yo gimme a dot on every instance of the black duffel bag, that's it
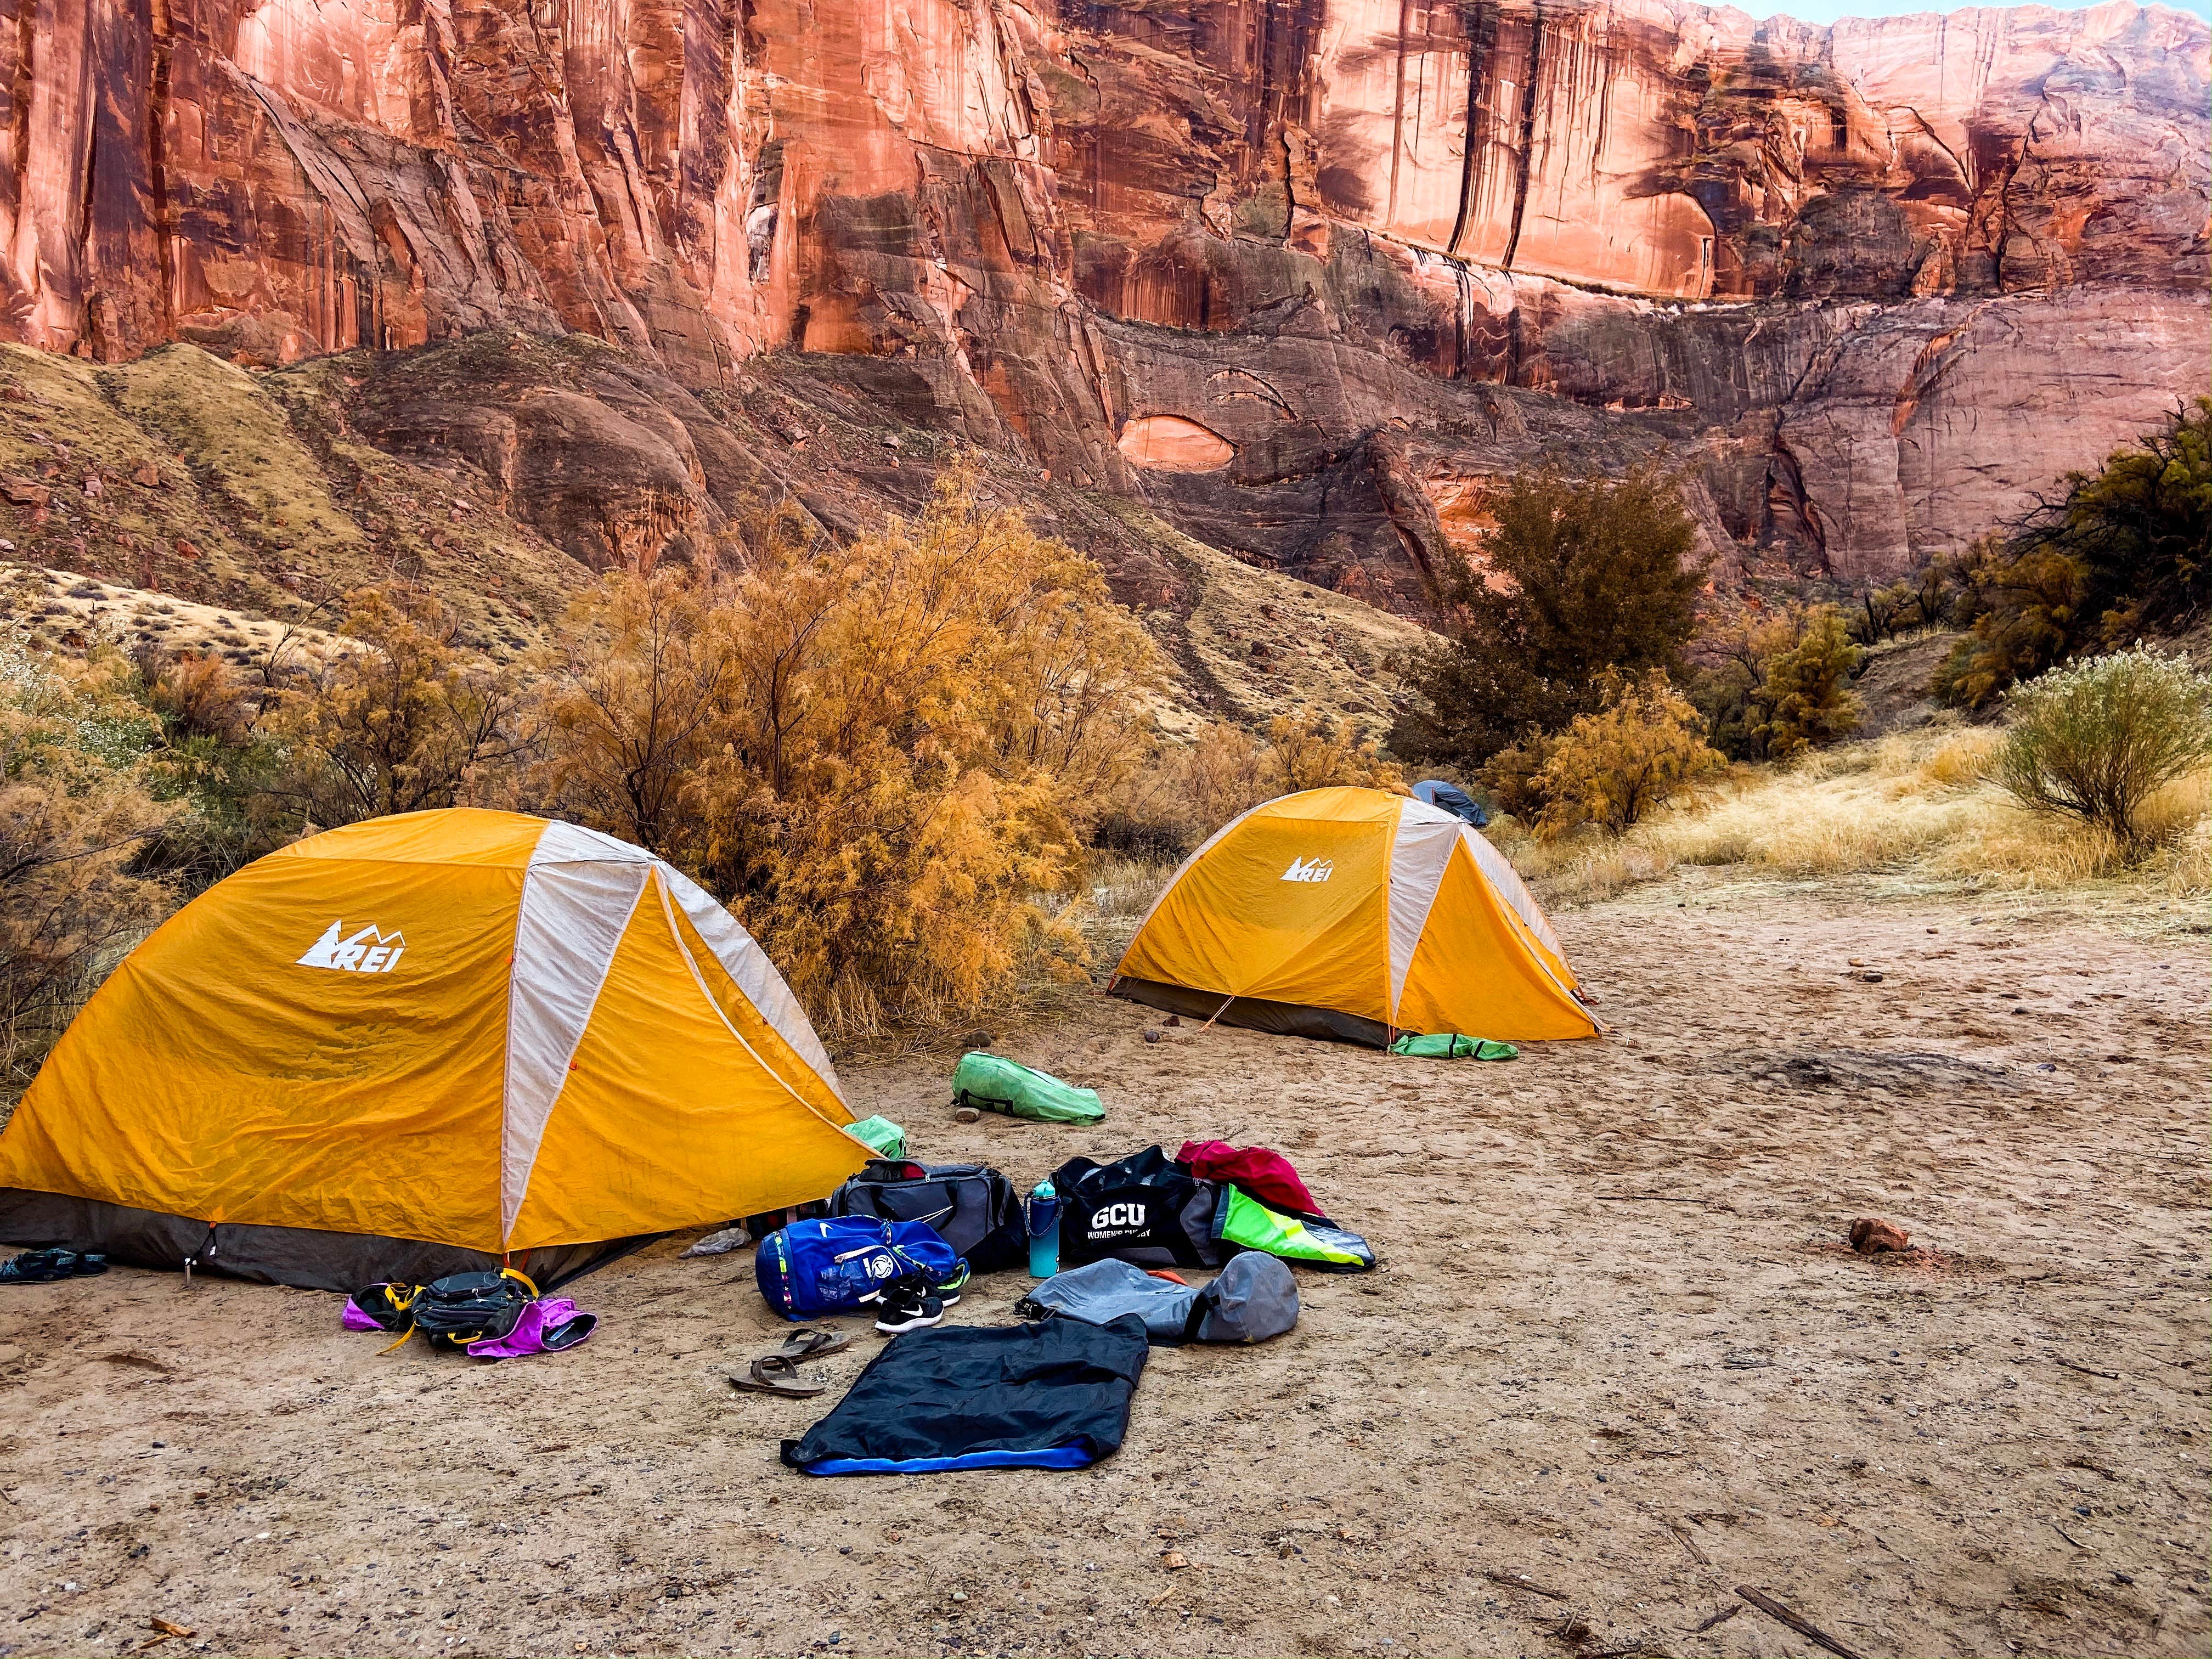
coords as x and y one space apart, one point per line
971 1207
1144 1208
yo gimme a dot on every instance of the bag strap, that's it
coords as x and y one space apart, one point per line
1200 1305
400 1304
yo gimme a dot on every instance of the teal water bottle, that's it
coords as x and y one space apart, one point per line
1043 1214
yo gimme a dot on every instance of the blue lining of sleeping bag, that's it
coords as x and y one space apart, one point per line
1052 1457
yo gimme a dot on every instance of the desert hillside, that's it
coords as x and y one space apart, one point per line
181 499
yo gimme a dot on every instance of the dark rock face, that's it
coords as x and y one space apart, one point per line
1304 275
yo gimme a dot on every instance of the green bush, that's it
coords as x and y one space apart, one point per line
2027 606
2125 550
1781 684
1808 698
1612 767
1582 574
2097 739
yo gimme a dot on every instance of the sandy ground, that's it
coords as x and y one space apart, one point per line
1616 1364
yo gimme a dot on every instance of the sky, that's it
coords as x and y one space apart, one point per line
1826 11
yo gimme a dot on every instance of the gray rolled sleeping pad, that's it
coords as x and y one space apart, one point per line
1251 1299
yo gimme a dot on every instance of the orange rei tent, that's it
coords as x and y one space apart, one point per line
1357 915
424 1043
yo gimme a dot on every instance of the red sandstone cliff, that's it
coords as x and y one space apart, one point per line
1303 273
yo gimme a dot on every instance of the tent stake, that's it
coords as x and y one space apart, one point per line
1217 1013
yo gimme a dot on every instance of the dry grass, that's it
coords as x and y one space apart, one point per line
1119 891
1579 869
1918 802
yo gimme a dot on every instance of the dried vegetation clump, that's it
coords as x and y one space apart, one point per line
883 756
1924 803
1182 792
78 803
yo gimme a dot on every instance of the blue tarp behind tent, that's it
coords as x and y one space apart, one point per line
1454 800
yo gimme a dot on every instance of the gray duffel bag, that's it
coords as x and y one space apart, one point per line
1254 1298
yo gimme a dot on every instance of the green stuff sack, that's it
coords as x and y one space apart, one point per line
879 1135
1251 1226
1450 1045
998 1084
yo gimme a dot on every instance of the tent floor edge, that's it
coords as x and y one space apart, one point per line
305 1257
1255 1014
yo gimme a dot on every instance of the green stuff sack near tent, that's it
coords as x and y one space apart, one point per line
1450 1045
879 1135
999 1086
1247 1222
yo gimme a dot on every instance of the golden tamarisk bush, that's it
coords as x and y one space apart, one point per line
880 756
77 806
1612 767
400 719
1183 793
1780 683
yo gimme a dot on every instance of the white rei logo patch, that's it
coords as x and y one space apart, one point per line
1310 870
369 952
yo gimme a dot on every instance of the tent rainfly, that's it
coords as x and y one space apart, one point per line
421 1044
1356 914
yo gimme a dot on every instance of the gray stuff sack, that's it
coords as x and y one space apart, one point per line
1253 1298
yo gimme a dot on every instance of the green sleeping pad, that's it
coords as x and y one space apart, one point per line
1450 1045
1243 1221
998 1084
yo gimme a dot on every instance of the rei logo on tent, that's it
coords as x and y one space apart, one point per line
1310 870
369 952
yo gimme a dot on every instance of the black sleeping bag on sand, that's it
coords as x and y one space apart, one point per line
1052 1395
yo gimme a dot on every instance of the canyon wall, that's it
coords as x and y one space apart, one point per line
1304 275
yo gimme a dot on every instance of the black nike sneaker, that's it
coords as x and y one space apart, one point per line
906 1306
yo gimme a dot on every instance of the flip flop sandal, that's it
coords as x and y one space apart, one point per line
775 1375
811 1342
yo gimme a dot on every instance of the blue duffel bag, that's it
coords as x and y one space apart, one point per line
844 1262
